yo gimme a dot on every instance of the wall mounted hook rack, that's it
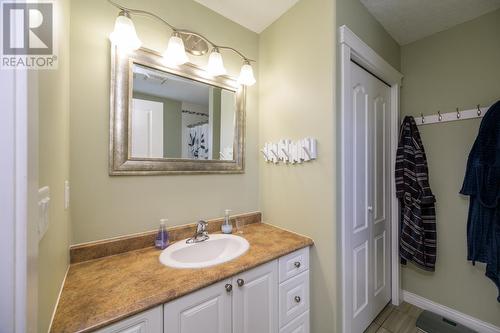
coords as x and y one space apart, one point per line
290 152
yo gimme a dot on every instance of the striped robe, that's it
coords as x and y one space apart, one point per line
418 216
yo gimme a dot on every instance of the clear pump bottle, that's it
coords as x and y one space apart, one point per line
227 227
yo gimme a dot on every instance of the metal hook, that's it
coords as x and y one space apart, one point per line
423 118
458 114
440 117
479 110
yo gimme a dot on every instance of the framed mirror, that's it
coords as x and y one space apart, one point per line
166 120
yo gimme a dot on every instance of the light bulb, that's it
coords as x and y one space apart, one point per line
215 63
246 74
175 53
124 35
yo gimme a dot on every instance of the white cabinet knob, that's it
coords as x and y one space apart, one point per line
370 208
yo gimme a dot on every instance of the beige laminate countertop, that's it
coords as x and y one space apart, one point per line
100 292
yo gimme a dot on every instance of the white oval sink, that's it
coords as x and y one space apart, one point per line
219 248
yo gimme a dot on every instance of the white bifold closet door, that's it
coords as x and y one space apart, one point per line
368 239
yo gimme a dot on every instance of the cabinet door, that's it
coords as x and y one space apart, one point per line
145 322
207 310
255 300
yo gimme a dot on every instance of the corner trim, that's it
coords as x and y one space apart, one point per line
368 57
459 317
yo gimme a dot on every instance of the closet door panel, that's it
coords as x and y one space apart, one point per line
380 182
379 160
369 239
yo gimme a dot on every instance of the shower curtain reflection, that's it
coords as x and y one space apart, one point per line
198 141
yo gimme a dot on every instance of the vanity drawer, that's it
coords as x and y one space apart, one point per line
293 264
293 298
298 325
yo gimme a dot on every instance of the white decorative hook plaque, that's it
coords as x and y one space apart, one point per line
290 151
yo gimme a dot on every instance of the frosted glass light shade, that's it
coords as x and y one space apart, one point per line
246 75
215 64
175 53
124 35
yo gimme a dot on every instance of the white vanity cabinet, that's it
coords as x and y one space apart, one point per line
246 303
270 298
294 292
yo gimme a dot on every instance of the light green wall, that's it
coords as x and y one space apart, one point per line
455 68
296 95
53 255
105 206
353 14
172 124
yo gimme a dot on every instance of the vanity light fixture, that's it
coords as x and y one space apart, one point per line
124 35
125 38
215 63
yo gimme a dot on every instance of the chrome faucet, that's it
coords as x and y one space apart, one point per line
201 233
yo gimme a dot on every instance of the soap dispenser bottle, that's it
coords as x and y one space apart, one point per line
227 227
161 240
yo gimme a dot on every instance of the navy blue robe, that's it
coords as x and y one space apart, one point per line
482 184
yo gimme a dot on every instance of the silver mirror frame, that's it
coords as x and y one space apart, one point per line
120 161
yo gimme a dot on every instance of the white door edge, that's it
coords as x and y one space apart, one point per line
19 174
353 48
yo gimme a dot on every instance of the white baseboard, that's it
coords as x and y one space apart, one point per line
459 317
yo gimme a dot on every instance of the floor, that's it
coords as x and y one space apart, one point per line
396 319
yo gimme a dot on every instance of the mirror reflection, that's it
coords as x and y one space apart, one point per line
178 118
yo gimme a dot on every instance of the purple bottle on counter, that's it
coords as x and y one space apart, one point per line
161 240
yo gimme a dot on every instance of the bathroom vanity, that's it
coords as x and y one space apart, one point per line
264 290
273 297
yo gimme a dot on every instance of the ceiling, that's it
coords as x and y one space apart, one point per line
410 20
255 15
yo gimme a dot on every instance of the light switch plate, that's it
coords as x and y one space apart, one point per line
43 211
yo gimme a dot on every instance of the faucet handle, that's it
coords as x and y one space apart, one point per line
201 227
201 233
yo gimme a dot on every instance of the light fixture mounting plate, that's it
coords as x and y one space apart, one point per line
194 44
